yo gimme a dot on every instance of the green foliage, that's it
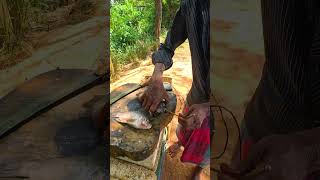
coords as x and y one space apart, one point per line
131 30
169 9
39 4
13 22
15 19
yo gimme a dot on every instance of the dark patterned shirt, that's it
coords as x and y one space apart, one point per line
287 98
191 22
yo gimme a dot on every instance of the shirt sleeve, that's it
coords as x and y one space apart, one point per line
175 37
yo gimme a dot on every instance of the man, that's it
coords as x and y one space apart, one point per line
281 123
191 22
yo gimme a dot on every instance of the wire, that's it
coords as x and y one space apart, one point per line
238 127
216 170
166 110
227 140
224 122
14 177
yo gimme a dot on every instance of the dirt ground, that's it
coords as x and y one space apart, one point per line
40 33
181 74
74 46
238 56
33 151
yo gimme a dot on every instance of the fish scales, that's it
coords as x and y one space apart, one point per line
136 119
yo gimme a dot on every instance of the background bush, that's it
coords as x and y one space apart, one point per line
132 32
169 9
18 16
13 22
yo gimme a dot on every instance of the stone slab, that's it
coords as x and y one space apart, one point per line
152 161
136 144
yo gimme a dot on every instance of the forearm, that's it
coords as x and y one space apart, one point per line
158 72
175 37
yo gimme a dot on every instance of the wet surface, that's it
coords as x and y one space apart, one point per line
57 145
78 137
40 93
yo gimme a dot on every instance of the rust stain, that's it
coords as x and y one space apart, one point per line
236 61
221 25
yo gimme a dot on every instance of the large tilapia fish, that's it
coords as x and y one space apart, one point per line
136 119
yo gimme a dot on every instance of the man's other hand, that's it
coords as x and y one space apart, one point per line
193 118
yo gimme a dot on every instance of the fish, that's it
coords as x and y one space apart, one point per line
134 119
162 107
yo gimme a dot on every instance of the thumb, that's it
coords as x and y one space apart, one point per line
145 82
141 97
190 110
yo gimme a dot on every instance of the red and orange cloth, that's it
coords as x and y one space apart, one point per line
196 143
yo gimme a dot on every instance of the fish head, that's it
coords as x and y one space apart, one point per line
161 108
145 124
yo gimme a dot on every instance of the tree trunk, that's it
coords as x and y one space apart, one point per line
6 24
158 5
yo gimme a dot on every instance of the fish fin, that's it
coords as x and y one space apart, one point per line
124 119
118 119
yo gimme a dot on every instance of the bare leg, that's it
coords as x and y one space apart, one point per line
197 173
174 149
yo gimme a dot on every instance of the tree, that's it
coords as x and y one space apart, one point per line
6 24
158 5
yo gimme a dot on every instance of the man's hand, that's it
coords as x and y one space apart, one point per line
155 92
195 116
290 157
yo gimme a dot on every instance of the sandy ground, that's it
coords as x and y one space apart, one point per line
81 45
181 74
57 48
238 55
